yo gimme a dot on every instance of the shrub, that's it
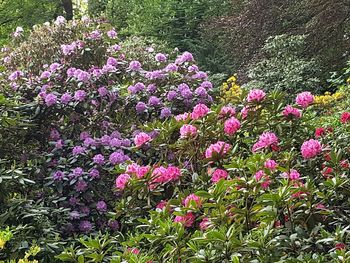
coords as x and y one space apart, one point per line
284 66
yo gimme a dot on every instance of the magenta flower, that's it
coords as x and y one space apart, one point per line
220 148
310 149
122 180
218 174
187 220
231 126
294 175
259 175
188 130
141 138
256 95
266 140
304 99
270 164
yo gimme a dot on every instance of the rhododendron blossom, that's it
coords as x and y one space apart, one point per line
204 224
182 117
231 126
291 111
310 149
141 138
256 95
122 180
187 220
266 140
220 148
345 117
218 174
192 198
188 130
227 111
199 111
270 164
304 99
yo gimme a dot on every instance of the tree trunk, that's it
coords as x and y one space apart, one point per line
68 8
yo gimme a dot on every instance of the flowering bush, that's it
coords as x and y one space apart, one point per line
127 141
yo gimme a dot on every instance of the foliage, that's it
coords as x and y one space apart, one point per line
284 66
134 156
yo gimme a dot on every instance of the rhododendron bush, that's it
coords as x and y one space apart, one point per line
133 146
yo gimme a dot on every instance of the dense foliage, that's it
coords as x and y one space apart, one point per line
121 150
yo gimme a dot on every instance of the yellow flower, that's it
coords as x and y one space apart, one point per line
2 243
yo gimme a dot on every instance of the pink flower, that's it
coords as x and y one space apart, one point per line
182 117
188 130
231 126
134 250
345 117
199 111
290 111
266 140
132 168
227 111
163 175
122 180
141 138
311 148
187 220
142 171
304 99
266 183
294 175
218 174
162 204
220 148
204 224
196 200
259 175
256 95
270 164
244 112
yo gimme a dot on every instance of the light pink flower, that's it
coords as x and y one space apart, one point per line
304 99
310 149
231 126
121 181
182 117
204 224
256 95
141 138
227 111
188 130
199 111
